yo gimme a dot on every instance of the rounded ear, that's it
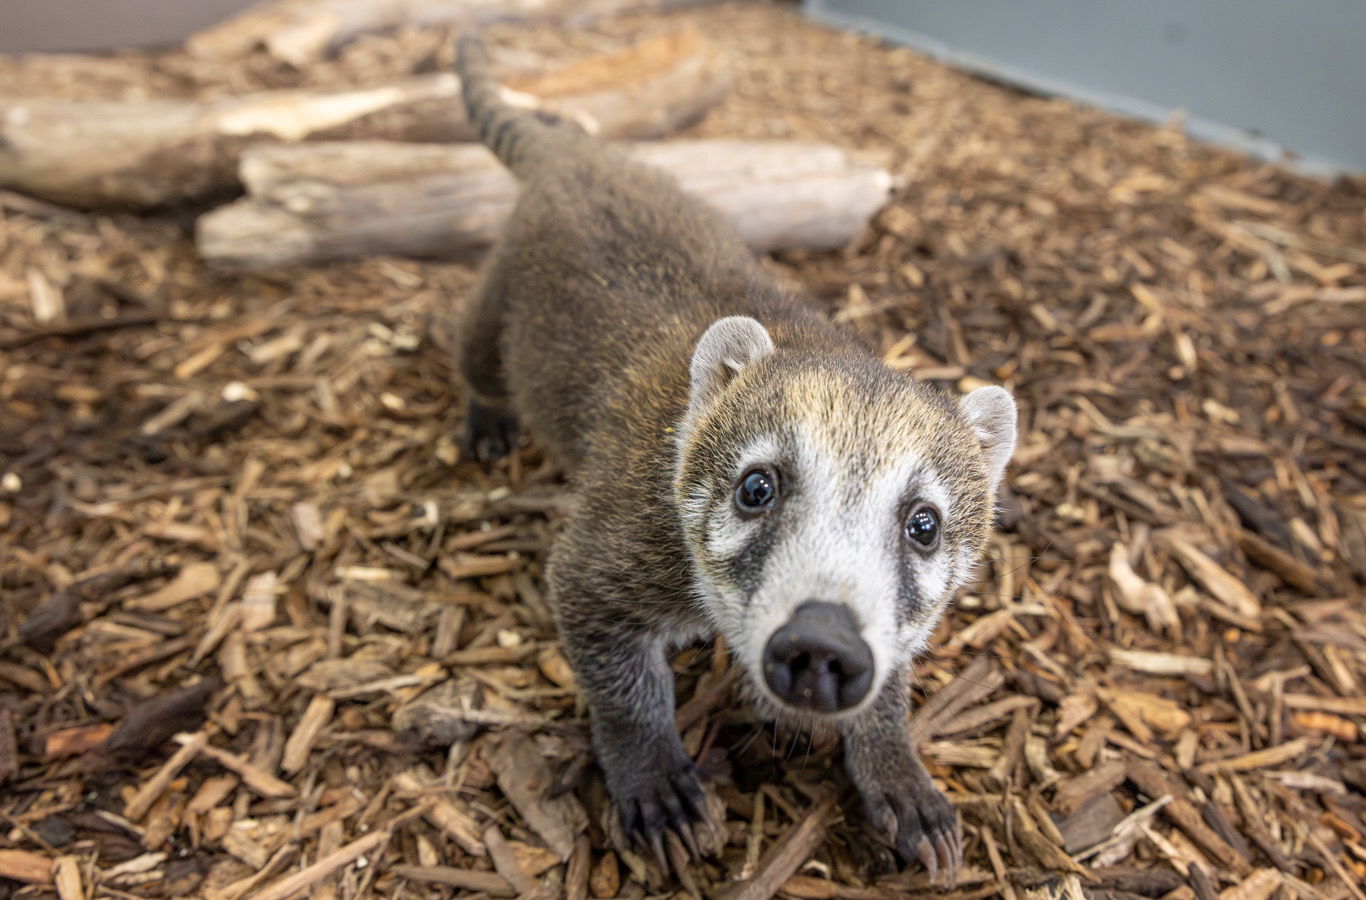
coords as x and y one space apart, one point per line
991 413
727 347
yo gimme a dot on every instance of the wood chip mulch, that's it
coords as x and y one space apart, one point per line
263 632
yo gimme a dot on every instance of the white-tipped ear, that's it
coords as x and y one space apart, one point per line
728 346
991 413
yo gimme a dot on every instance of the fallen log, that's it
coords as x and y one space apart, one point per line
149 154
299 31
311 203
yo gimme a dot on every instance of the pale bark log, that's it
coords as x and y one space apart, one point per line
150 154
311 203
299 31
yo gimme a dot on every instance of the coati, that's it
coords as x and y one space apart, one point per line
741 466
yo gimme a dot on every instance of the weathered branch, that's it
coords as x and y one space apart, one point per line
143 155
310 203
299 31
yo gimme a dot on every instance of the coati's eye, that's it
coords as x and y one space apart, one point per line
922 526
756 491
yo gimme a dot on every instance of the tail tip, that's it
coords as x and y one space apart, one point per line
469 48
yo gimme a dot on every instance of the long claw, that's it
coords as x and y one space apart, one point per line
657 845
943 846
924 851
883 818
689 839
903 803
957 852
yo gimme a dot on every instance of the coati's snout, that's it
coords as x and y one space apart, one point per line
818 661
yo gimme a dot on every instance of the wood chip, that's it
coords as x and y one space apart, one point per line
1076 792
254 777
151 789
1156 784
258 602
149 724
1161 663
1347 706
75 741
343 856
9 751
505 860
444 815
466 879
24 866
605 878
1142 597
1224 587
311 724
194 580
524 777
783 858
1260 759
67 878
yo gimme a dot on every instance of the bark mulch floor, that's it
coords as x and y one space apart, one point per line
263 630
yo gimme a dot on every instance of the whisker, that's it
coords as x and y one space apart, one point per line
749 741
796 736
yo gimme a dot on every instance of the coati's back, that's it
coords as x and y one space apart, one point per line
610 274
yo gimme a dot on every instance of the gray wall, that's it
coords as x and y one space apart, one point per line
105 24
1257 75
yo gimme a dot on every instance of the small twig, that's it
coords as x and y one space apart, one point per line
490 883
342 856
1125 828
40 209
256 778
1302 242
152 789
701 703
785 857
1331 861
86 325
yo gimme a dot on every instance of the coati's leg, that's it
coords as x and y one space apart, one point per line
629 686
898 795
491 428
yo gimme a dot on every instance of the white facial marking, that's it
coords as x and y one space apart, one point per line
840 540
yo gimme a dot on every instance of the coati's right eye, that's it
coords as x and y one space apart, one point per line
922 526
756 491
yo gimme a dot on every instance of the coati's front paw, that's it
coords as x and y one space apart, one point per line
491 432
657 793
921 821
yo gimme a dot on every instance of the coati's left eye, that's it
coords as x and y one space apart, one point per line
922 526
756 491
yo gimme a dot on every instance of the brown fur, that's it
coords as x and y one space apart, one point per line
582 329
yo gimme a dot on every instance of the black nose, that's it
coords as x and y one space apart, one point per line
817 660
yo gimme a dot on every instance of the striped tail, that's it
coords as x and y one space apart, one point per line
520 138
